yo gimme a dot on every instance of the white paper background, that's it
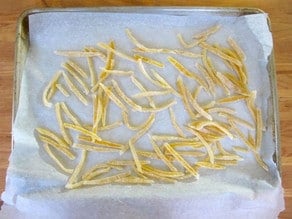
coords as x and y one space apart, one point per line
36 188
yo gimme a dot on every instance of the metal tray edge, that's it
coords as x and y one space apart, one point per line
148 9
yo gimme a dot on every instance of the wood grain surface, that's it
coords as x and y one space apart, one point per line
280 13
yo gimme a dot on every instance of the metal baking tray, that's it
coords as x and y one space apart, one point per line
22 46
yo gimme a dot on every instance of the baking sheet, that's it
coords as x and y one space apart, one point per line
49 31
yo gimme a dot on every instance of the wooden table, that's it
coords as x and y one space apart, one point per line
280 13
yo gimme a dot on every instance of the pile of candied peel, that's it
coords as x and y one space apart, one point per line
197 143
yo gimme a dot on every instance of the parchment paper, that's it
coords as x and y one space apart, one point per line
34 189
